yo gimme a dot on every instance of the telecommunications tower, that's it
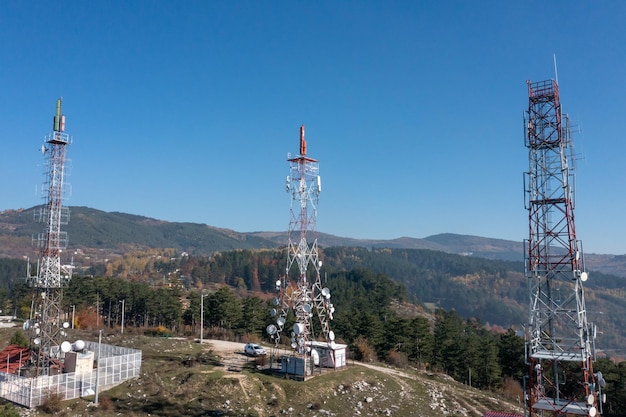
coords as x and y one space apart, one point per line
559 340
45 323
302 292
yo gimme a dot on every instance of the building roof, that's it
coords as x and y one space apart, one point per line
13 357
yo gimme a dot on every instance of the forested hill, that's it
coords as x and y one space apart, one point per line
495 292
102 234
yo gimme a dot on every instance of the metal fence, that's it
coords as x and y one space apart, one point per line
115 365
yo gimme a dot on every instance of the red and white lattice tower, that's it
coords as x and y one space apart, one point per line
300 290
51 277
559 340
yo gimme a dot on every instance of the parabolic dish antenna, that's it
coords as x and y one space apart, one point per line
306 308
26 325
66 325
278 283
273 312
270 329
331 335
593 411
79 345
325 292
276 301
298 328
281 321
293 345
584 276
66 346
37 341
300 341
316 357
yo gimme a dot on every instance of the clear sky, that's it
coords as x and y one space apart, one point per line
185 110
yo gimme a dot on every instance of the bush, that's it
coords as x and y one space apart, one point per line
19 339
363 350
159 331
52 404
397 359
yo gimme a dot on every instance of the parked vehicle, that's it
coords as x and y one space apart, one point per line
252 349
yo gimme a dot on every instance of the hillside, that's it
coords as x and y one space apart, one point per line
430 268
181 378
102 234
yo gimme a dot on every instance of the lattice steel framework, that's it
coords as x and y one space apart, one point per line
304 295
51 277
559 341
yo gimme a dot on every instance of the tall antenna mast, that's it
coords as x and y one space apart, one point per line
51 277
303 293
559 336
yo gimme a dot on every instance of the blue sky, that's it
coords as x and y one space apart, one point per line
185 110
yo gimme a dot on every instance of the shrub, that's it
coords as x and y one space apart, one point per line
397 359
52 403
364 351
19 339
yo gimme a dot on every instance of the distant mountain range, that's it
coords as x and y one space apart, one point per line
109 233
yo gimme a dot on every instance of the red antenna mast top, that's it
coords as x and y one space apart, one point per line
302 141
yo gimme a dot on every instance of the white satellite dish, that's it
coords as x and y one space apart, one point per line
300 341
66 325
298 328
273 312
271 329
584 276
293 345
276 301
37 341
592 411
325 292
278 283
306 308
591 399
316 357
26 325
331 335
281 321
66 347
37 330
79 345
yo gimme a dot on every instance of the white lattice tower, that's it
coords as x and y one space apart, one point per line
51 277
304 296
